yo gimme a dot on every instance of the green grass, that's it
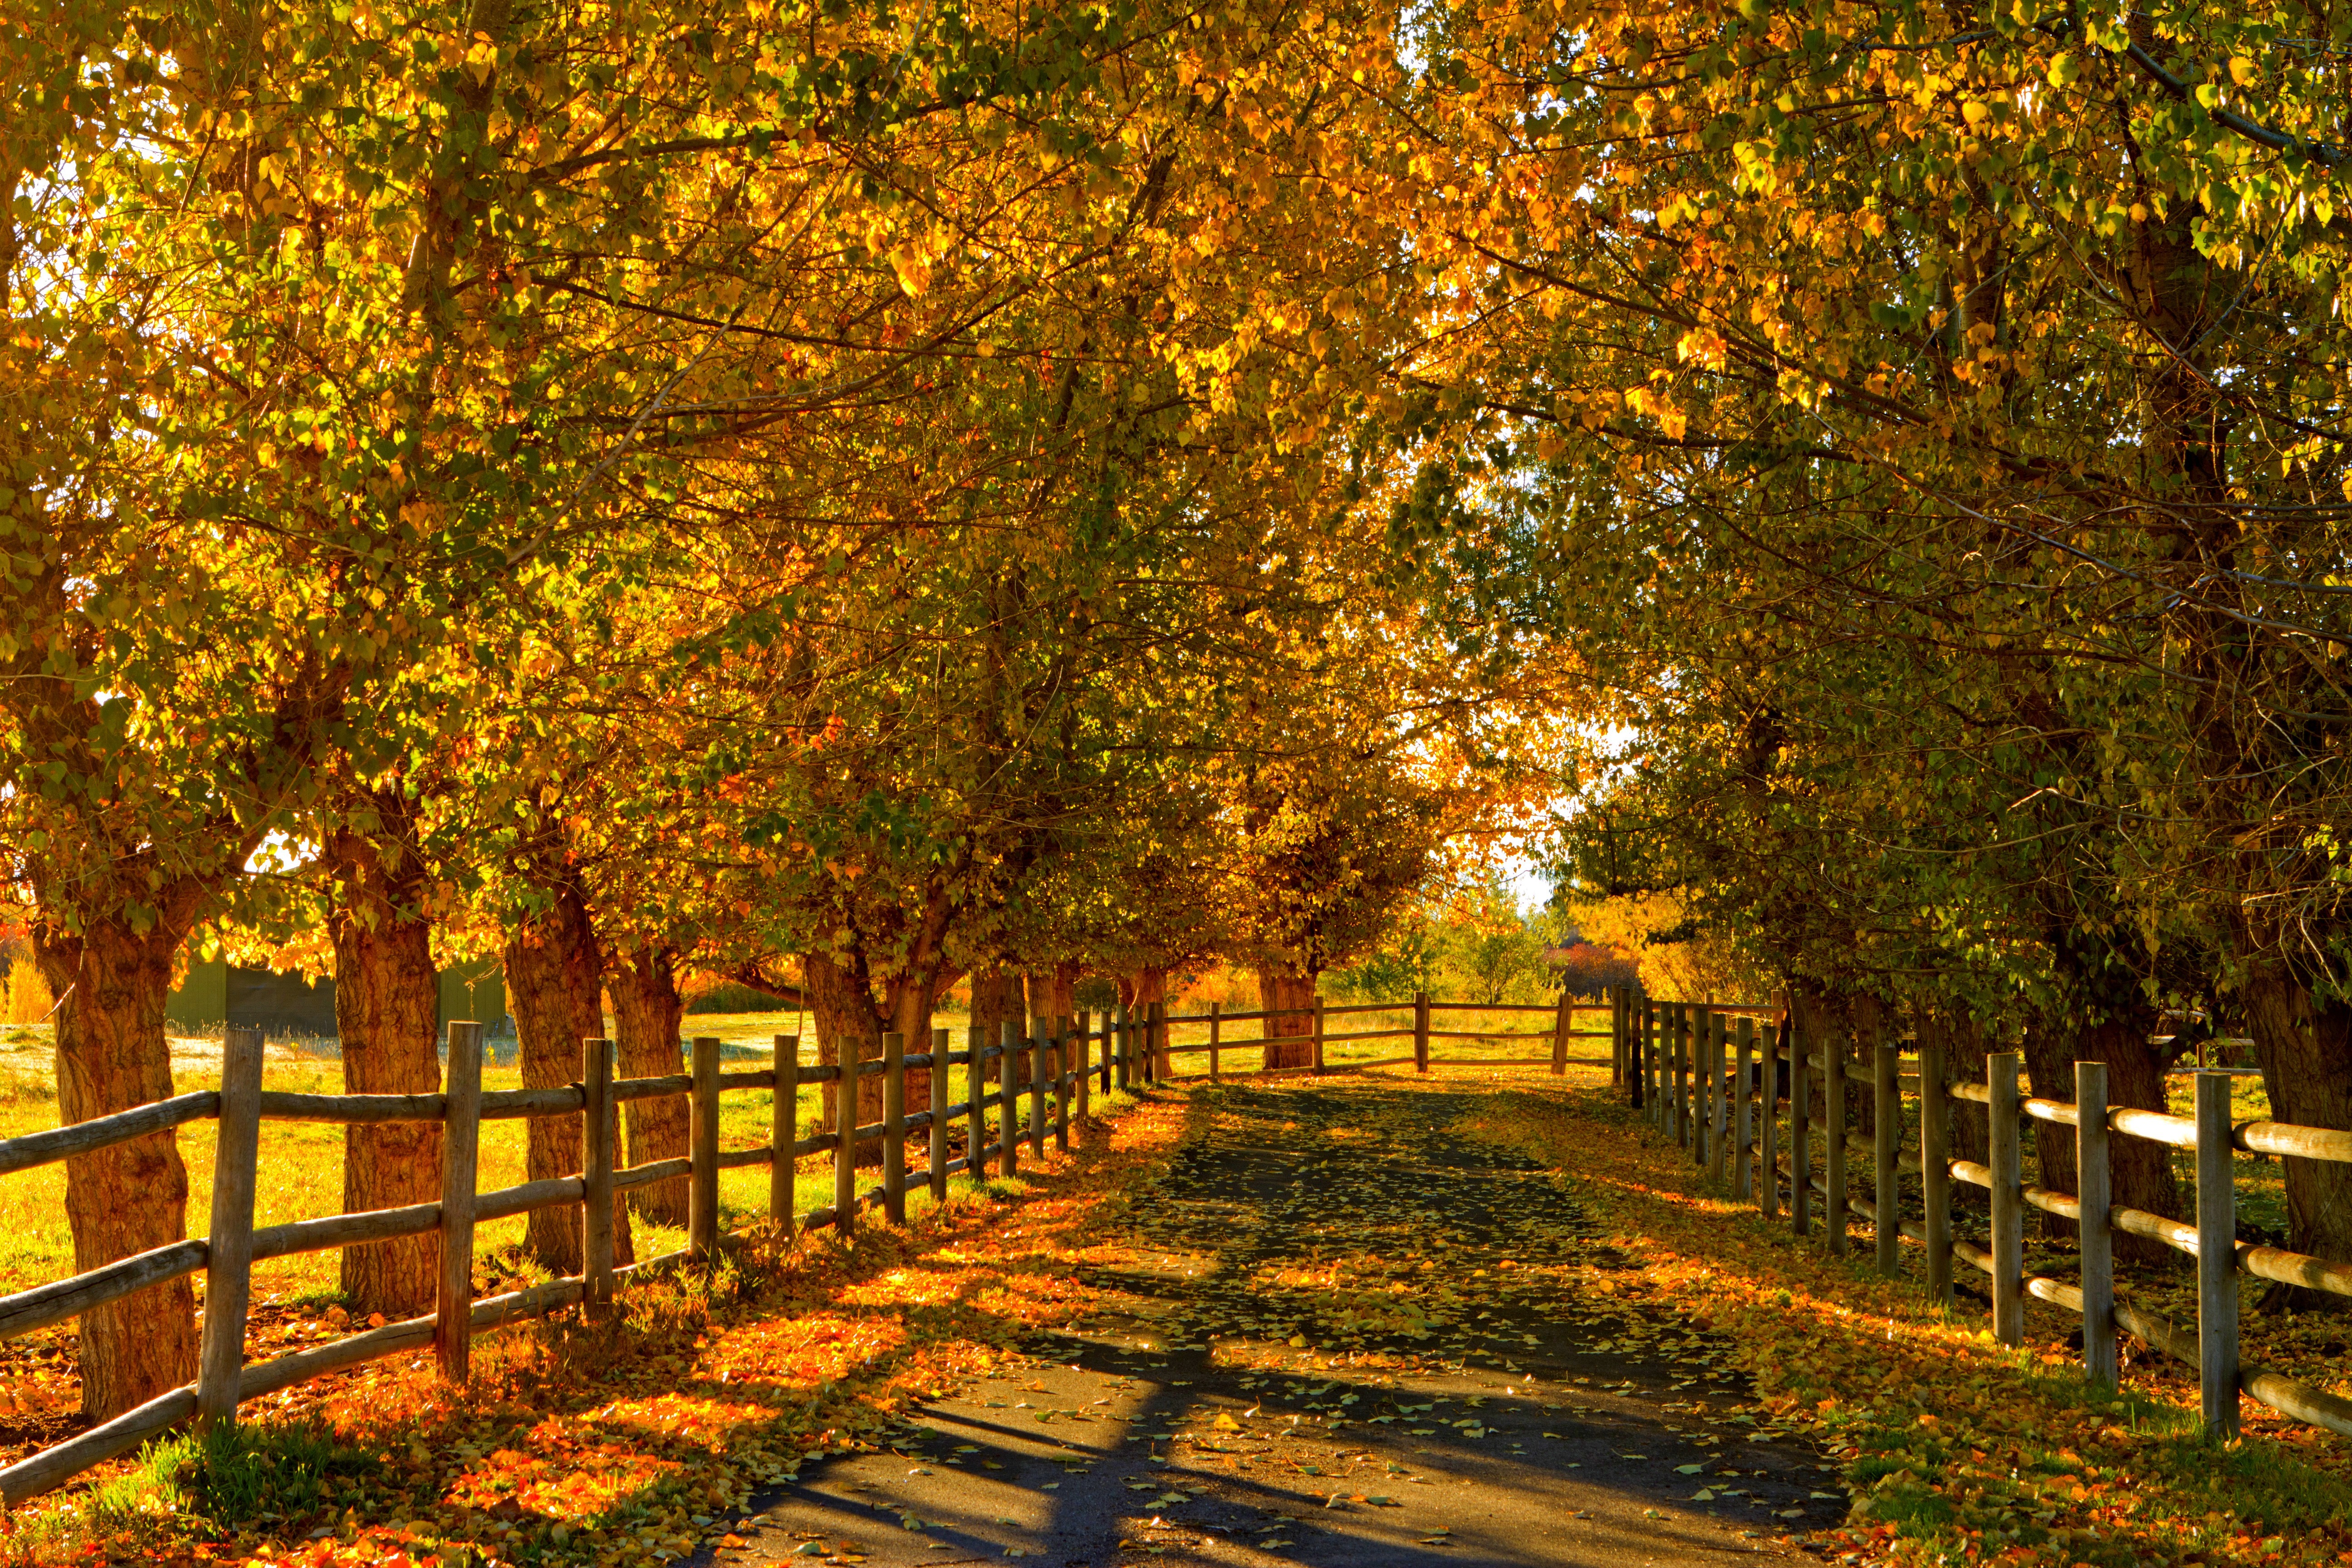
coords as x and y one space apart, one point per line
301 1165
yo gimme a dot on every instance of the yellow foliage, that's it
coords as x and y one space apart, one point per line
28 1000
1698 967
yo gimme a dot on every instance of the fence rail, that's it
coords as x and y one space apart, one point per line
1063 1071
1705 1084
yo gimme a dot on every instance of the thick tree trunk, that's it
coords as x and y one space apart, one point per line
555 990
647 1015
842 1006
2142 1174
2304 1049
1964 1062
1000 996
1150 985
1289 1041
113 1056
1821 1030
386 992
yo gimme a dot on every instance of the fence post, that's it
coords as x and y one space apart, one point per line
1652 1091
1681 1025
975 1073
894 1128
1421 1031
1163 1067
1559 1041
2217 1258
1887 1116
785 1133
1008 1120
1767 1141
844 1127
1109 1047
2007 1199
1718 1093
1936 1169
702 1147
1800 1131
1061 1083
2094 1186
1039 1029
1082 1067
1743 1099
461 1137
1318 1032
1216 1033
1836 1208
228 1259
596 1139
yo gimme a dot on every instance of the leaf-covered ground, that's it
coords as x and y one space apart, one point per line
1635 1300
1959 1450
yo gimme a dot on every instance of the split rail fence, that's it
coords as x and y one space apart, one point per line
1067 1059
1061 1071
1710 1078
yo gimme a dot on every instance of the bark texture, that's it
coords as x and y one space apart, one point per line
2305 1049
113 1056
1289 1042
554 988
842 1003
1150 987
1001 997
648 1015
386 1006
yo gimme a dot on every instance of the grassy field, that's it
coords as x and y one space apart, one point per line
302 1163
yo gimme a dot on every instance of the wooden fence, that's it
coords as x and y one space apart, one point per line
1062 1070
1068 1059
1712 1080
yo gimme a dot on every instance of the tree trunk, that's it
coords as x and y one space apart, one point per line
841 1005
1964 1062
647 1016
1150 987
1289 1042
2142 1171
2305 1049
999 997
555 990
386 992
1821 1031
113 1056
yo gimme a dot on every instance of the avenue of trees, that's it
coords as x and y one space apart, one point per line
886 494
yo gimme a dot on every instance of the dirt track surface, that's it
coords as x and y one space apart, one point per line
1301 1362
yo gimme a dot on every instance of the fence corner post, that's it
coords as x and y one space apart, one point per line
785 1133
2008 1198
229 1257
1560 1024
461 1139
1216 1033
596 1139
2217 1257
2095 1186
1936 1169
1421 1031
1317 1006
